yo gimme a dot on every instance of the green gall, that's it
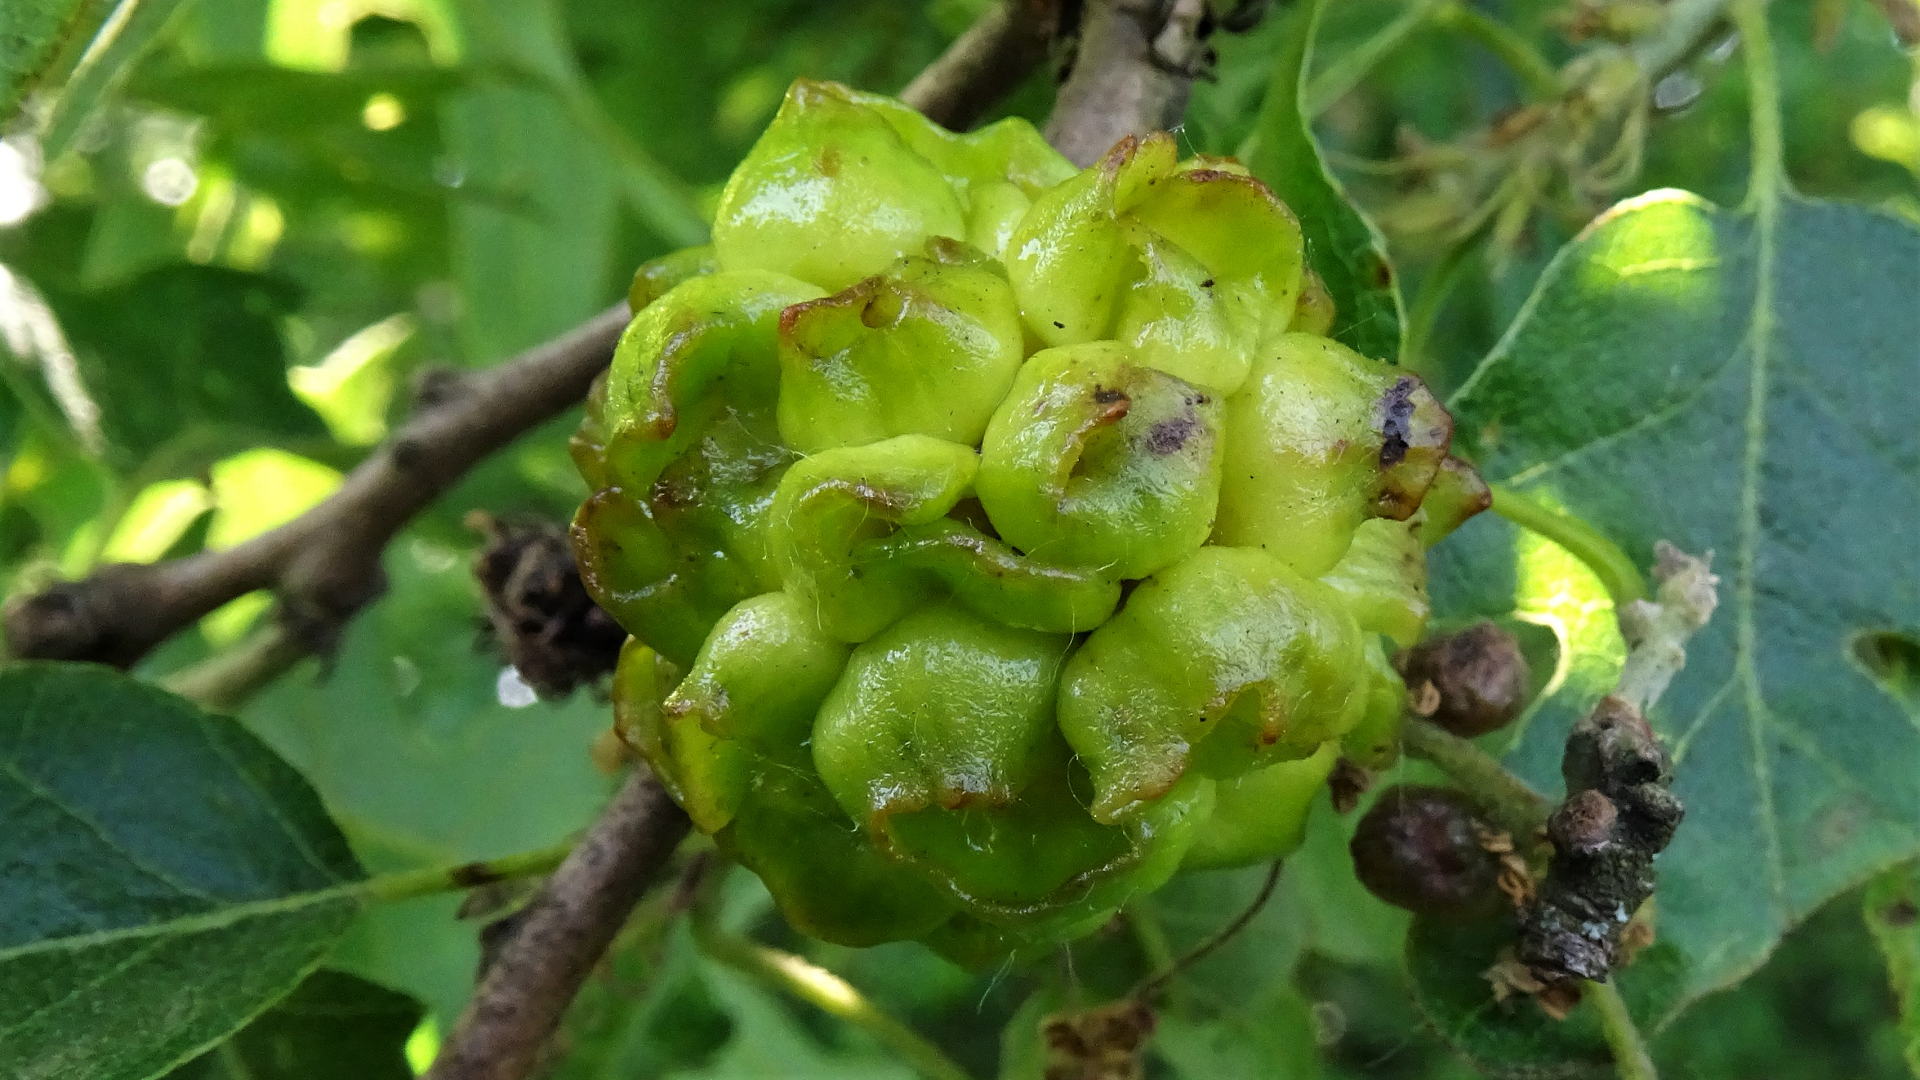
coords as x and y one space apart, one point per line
999 538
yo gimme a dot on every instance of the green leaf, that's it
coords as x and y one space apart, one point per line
1893 914
122 38
1023 1046
155 520
55 502
258 490
1514 1038
1342 245
530 40
1270 1038
769 1041
332 1027
35 36
1195 906
527 275
1337 917
184 345
166 876
1449 964
647 1012
1820 1007
700 1019
1738 382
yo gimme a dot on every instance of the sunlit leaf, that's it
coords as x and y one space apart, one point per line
261 489
768 1041
155 520
1736 382
352 387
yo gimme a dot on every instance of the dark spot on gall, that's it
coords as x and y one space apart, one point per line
1396 420
1480 673
1168 436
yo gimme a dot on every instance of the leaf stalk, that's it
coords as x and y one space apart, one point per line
1763 82
1630 1057
1617 573
406 885
1517 808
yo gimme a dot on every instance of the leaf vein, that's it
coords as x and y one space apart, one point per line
1809 383
205 922
11 770
1645 423
272 809
1805 742
136 957
1700 719
1760 333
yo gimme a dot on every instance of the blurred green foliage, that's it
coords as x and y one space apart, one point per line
291 208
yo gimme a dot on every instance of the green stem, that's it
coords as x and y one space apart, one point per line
1149 934
1536 72
1763 81
224 681
1630 1058
1616 572
823 989
1156 984
412 883
1341 76
1516 807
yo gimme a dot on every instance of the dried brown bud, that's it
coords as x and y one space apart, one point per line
1346 784
549 628
1420 848
1479 674
1101 1043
